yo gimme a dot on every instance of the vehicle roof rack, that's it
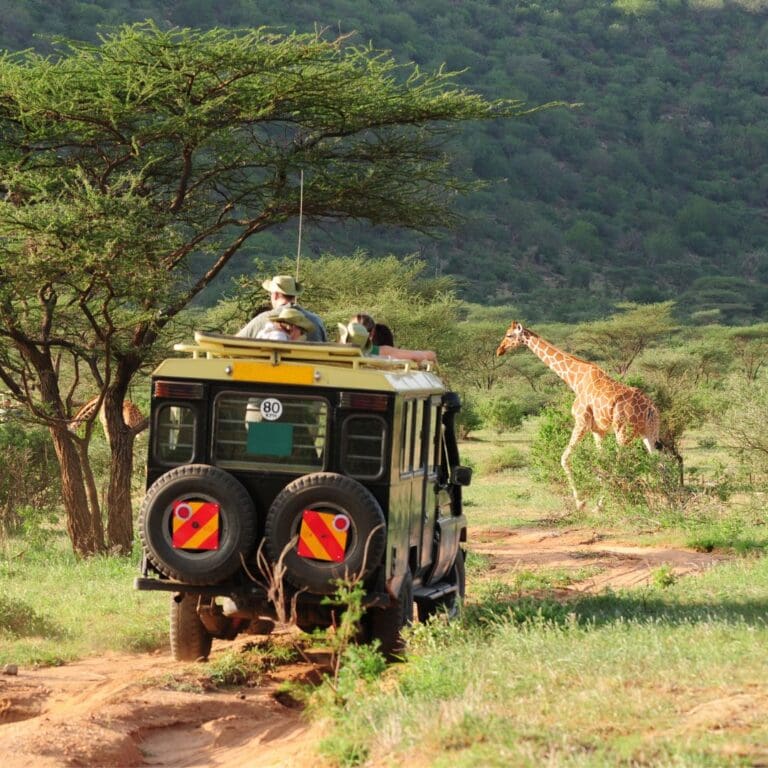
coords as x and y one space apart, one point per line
217 345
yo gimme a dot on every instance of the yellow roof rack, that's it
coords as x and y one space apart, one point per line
213 345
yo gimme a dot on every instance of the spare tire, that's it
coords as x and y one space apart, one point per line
197 562
332 497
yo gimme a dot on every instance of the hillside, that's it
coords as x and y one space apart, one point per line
656 187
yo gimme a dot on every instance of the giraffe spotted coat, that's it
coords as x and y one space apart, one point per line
602 404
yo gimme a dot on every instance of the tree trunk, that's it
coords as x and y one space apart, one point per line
121 438
119 507
89 482
85 529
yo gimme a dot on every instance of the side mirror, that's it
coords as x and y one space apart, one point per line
461 475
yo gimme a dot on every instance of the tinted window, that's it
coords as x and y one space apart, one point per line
419 434
363 440
406 438
269 432
175 434
434 438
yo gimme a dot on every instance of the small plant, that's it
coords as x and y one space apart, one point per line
349 661
508 458
468 419
664 576
17 619
235 668
500 414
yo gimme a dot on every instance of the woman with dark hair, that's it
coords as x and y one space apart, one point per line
383 336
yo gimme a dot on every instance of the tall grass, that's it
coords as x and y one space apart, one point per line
671 674
665 676
55 608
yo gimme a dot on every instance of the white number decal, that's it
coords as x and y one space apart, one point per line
271 409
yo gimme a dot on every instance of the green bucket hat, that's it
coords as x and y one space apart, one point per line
286 284
356 334
292 316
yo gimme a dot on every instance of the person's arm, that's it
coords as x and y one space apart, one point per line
251 329
417 355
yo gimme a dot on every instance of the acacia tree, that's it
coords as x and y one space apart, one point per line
134 170
621 338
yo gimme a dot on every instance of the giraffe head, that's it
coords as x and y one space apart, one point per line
512 338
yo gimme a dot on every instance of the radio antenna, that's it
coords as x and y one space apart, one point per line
301 216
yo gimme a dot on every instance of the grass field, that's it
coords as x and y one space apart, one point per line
671 674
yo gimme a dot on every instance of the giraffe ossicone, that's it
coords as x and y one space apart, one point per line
602 404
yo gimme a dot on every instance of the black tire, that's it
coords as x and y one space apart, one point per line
454 602
325 492
237 524
190 640
386 624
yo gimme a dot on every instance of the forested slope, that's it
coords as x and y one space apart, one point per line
655 187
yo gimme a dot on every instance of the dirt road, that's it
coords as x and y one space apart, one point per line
117 710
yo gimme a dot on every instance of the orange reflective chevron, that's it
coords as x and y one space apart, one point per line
323 536
195 525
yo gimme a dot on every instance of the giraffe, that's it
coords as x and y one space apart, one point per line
602 404
132 416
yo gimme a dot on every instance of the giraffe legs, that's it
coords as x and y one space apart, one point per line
579 430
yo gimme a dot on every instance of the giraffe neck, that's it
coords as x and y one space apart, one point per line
570 369
84 413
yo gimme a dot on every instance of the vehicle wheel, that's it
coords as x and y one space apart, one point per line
190 640
386 624
452 603
334 495
236 524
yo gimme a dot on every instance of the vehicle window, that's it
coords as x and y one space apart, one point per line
433 441
419 435
175 433
269 432
406 438
363 441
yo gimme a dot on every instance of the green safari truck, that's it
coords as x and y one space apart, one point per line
276 468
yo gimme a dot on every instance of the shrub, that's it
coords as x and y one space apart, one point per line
627 479
29 483
468 419
500 413
507 458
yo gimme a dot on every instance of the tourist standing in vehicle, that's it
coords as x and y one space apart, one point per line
286 324
382 335
283 291
359 332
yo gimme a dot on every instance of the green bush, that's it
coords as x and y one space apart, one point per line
625 479
500 413
555 425
468 419
29 483
507 458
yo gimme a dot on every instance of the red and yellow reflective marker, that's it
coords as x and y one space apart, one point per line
195 525
323 536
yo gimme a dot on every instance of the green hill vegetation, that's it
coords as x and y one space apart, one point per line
654 188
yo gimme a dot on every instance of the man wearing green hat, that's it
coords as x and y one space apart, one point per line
286 324
283 292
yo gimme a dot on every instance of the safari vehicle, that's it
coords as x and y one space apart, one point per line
276 468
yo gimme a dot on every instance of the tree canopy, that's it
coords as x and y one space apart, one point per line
133 170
